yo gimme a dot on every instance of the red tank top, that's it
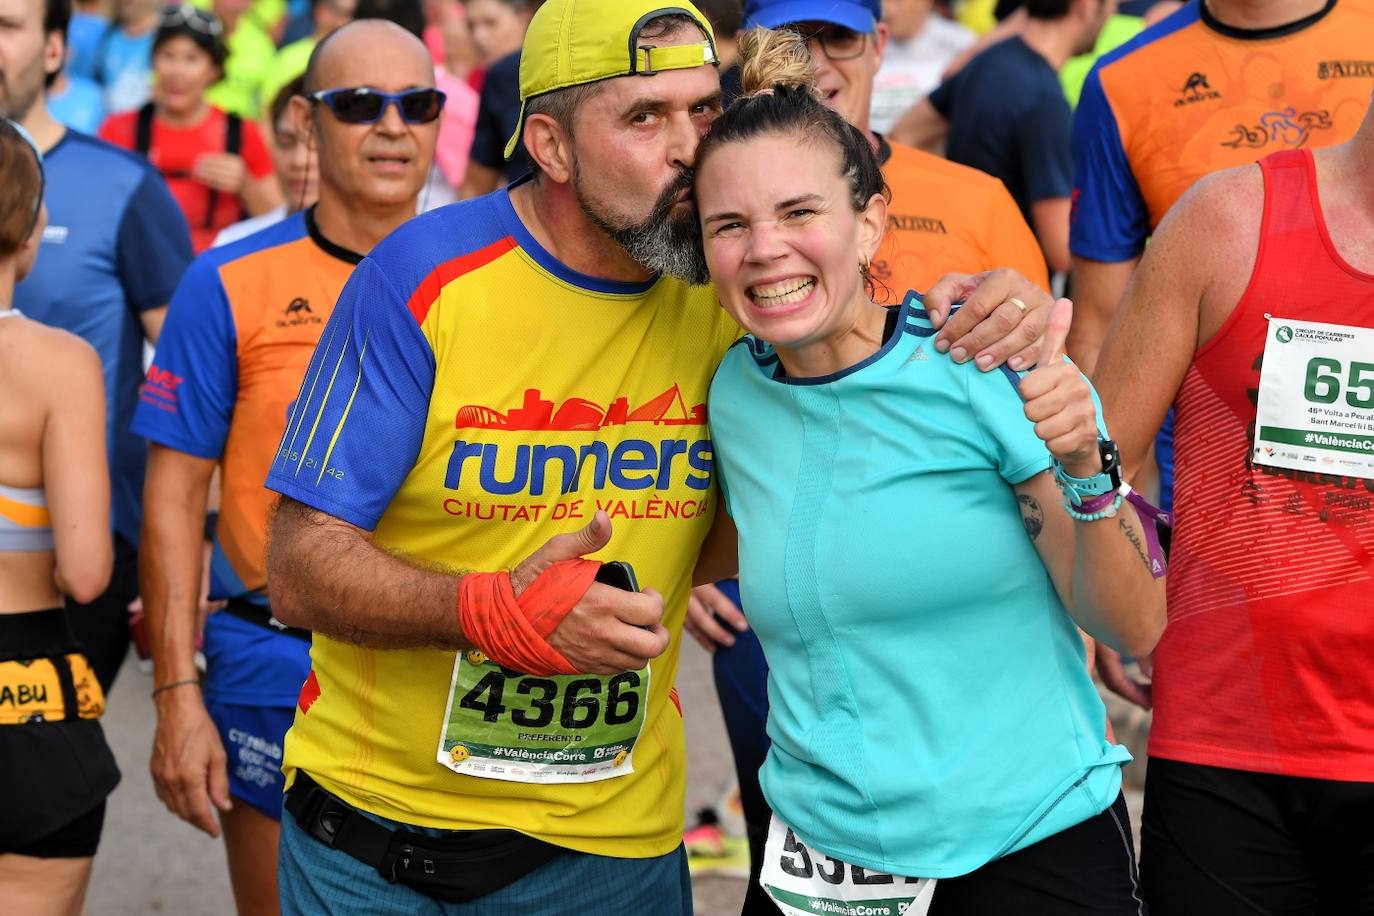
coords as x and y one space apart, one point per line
1267 663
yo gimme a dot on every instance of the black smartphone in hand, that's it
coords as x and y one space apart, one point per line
618 574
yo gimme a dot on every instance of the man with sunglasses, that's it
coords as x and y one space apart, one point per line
239 335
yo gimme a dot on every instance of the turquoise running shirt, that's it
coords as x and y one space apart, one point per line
930 705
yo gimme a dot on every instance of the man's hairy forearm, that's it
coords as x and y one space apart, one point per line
169 581
327 576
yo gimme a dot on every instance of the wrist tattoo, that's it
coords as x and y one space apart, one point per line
1032 516
1136 542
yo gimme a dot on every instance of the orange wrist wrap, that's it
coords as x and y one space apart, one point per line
515 631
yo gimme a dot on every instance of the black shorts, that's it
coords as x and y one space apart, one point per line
1220 842
102 627
55 774
1087 870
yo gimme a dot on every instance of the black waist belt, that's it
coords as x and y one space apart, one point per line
261 616
457 867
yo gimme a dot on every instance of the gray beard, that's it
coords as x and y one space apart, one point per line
662 242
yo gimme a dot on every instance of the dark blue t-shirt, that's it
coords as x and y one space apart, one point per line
115 246
1008 117
498 112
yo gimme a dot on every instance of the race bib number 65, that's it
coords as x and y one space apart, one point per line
1316 399
502 724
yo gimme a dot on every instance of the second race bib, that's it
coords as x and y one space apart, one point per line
803 882
502 724
1316 399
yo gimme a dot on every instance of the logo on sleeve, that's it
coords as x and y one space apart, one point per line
1195 89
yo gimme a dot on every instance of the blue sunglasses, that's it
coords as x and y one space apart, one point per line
361 105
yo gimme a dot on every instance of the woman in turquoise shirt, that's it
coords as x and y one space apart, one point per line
918 544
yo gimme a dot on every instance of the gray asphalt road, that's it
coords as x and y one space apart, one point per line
150 862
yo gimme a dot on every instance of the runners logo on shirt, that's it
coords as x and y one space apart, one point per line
679 456
1195 89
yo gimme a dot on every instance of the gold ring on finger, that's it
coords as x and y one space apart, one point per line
1018 303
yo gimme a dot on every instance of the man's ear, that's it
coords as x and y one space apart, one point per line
550 146
299 114
54 53
881 34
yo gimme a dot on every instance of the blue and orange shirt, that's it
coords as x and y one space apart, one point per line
239 334
1191 96
471 397
115 246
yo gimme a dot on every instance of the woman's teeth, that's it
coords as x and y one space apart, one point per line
785 293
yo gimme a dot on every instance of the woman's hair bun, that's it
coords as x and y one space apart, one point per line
770 58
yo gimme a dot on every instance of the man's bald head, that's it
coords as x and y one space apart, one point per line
369 52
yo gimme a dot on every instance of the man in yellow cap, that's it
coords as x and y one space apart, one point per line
516 382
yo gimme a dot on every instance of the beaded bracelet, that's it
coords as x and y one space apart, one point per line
1095 509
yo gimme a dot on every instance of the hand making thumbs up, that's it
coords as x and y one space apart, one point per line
1059 401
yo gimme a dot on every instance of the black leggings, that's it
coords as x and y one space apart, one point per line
1219 842
1087 870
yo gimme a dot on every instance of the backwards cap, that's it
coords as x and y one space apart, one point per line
572 42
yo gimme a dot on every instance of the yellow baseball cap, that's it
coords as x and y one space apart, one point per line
572 42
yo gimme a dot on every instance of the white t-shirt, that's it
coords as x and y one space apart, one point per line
912 69
246 227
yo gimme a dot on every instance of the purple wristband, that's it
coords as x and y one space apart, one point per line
1152 516
1097 503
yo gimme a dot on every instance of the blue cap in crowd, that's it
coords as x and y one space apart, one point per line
858 15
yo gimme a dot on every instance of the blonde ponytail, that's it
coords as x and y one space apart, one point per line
770 58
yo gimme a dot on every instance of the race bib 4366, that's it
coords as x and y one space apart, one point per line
502 724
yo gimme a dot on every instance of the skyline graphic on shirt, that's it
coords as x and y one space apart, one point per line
538 413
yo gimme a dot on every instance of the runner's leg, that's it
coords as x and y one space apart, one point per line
1342 847
49 877
44 887
1219 842
253 738
250 842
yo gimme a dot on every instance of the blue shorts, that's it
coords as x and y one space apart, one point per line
253 737
314 879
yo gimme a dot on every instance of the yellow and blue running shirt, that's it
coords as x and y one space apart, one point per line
926 717
470 398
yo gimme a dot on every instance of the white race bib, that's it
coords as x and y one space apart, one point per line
804 882
1316 399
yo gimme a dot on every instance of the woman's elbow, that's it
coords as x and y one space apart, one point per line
1148 631
85 584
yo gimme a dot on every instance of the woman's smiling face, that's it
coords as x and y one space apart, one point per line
782 238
